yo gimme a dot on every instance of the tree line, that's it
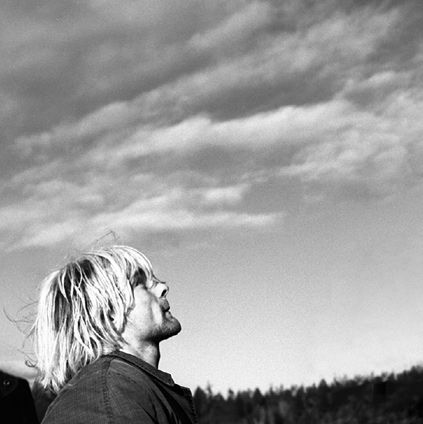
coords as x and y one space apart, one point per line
385 399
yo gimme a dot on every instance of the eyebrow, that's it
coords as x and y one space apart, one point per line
157 280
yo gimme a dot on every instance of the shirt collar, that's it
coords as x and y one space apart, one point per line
164 377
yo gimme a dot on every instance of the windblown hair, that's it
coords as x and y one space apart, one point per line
82 311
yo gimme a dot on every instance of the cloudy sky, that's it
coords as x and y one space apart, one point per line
266 155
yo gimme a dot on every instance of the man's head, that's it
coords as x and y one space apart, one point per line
95 304
149 320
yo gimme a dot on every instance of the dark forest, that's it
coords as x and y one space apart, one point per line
388 398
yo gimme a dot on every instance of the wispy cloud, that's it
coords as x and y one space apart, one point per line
55 211
152 117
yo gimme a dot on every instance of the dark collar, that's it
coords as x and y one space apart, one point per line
164 377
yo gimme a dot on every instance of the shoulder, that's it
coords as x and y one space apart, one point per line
126 383
119 370
109 390
82 398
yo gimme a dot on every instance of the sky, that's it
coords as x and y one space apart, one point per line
267 156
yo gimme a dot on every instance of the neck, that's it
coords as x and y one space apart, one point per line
147 351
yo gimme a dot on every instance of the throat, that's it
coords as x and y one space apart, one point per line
148 352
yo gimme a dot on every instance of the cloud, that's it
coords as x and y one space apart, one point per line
219 195
373 149
376 164
285 125
149 117
234 33
337 141
56 211
376 89
276 67
224 61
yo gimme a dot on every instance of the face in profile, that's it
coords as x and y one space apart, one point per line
150 319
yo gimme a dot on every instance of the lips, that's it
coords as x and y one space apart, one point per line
165 305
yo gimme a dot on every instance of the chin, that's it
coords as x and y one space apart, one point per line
173 328
168 329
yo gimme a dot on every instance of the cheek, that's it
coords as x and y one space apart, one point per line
156 313
141 313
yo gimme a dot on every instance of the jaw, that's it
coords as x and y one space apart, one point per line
170 327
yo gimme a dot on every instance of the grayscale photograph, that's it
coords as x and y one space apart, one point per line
211 212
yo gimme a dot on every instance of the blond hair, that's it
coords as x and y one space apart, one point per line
82 311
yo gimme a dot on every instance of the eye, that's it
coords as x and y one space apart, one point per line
140 278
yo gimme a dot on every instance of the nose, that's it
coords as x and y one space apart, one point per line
162 289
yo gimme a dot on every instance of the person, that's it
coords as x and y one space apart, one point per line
97 332
16 402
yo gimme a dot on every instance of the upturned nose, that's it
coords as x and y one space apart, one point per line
163 289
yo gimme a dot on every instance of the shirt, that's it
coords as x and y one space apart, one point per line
121 388
16 403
